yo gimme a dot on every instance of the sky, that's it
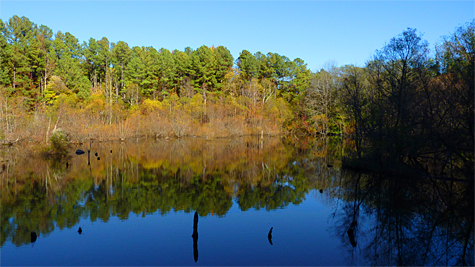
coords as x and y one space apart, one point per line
343 32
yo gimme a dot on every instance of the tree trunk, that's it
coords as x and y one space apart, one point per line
116 91
122 77
14 78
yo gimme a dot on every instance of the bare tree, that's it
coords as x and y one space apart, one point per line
320 96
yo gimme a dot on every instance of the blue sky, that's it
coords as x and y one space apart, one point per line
347 32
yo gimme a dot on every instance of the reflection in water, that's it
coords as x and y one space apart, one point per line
405 220
351 233
269 235
147 177
195 237
396 220
33 237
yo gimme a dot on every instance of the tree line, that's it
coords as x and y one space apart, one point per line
406 104
32 57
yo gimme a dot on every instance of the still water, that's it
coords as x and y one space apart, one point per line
241 201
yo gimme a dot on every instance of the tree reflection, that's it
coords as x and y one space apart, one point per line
381 220
49 196
33 237
413 221
269 236
195 236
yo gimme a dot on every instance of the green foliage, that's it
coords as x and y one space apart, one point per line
38 57
224 63
166 71
204 64
248 64
59 141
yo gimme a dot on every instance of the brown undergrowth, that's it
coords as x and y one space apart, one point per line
103 120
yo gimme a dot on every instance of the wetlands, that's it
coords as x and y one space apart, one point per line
118 152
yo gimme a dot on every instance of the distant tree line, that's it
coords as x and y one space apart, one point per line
32 56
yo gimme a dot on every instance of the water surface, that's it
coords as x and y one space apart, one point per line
242 201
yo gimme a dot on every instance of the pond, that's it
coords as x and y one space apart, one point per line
239 201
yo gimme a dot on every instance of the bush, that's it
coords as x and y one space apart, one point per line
59 141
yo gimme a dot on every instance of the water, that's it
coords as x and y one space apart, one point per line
137 206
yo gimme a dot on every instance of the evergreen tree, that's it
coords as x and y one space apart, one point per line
224 63
204 66
121 55
68 66
166 71
248 64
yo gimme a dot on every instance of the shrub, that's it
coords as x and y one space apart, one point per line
59 141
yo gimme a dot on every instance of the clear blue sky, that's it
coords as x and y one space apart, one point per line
347 32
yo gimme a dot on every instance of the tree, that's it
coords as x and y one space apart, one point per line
149 57
453 99
248 64
19 33
5 53
319 98
90 53
47 63
354 99
166 71
104 57
68 54
224 63
397 80
204 64
184 73
135 73
120 58
300 78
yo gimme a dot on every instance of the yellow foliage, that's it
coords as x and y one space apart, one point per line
96 102
231 75
319 118
172 102
61 99
195 106
152 164
96 105
149 106
278 110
